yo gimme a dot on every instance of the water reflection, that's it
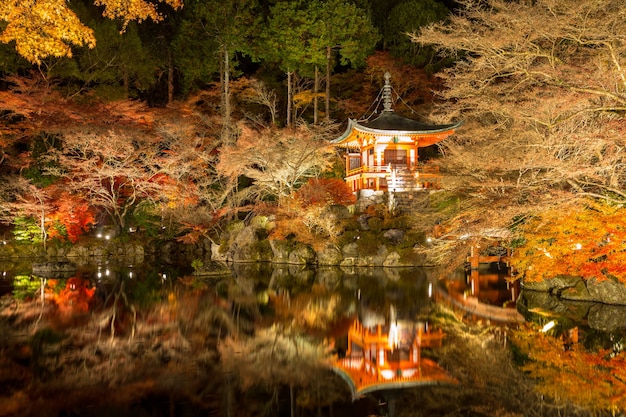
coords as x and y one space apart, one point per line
487 292
262 340
160 332
387 354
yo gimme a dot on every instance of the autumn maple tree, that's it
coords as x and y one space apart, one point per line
541 91
277 162
43 28
70 218
325 191
574 240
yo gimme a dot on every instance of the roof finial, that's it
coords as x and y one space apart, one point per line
387 93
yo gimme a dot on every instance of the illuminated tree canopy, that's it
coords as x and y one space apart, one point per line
541 91
42 28
575 241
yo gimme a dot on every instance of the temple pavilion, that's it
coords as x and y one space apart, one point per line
382 154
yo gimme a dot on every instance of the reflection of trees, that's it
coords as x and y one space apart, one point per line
279 357
171 349
572 373
490 382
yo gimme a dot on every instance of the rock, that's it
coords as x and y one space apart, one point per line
78 251
302 254
351 250
363 221
607 291
392 260
374 260
242 248
563 286
330 255
280 250
394 236
217 254
337 212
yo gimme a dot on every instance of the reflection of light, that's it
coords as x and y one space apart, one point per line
164 276
393 337
430 289
4 273
4 242
106 272
578 246
429 239
99 274
107 237
387 373
130 274
99 235
548 254
548 326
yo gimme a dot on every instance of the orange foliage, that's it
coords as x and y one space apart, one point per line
325 191
74 215
587 241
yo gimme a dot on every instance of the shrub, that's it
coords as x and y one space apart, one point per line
325 191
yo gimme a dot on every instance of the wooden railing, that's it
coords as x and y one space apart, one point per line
425 170
399 178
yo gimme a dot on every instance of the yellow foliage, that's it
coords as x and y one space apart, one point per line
138 10
43 28
305 97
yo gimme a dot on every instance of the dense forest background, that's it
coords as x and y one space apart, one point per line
189 115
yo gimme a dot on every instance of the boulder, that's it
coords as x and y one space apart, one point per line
280 250
563 286
330 255
394 236
607 291
302 254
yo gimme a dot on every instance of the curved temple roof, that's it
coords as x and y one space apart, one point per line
390 123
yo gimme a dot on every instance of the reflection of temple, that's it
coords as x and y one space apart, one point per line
383 357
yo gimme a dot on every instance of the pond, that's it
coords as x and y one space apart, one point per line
155 340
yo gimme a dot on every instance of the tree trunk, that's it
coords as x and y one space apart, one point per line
328 56
170 78
289 81
316 86
226 131
226 86
126 82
